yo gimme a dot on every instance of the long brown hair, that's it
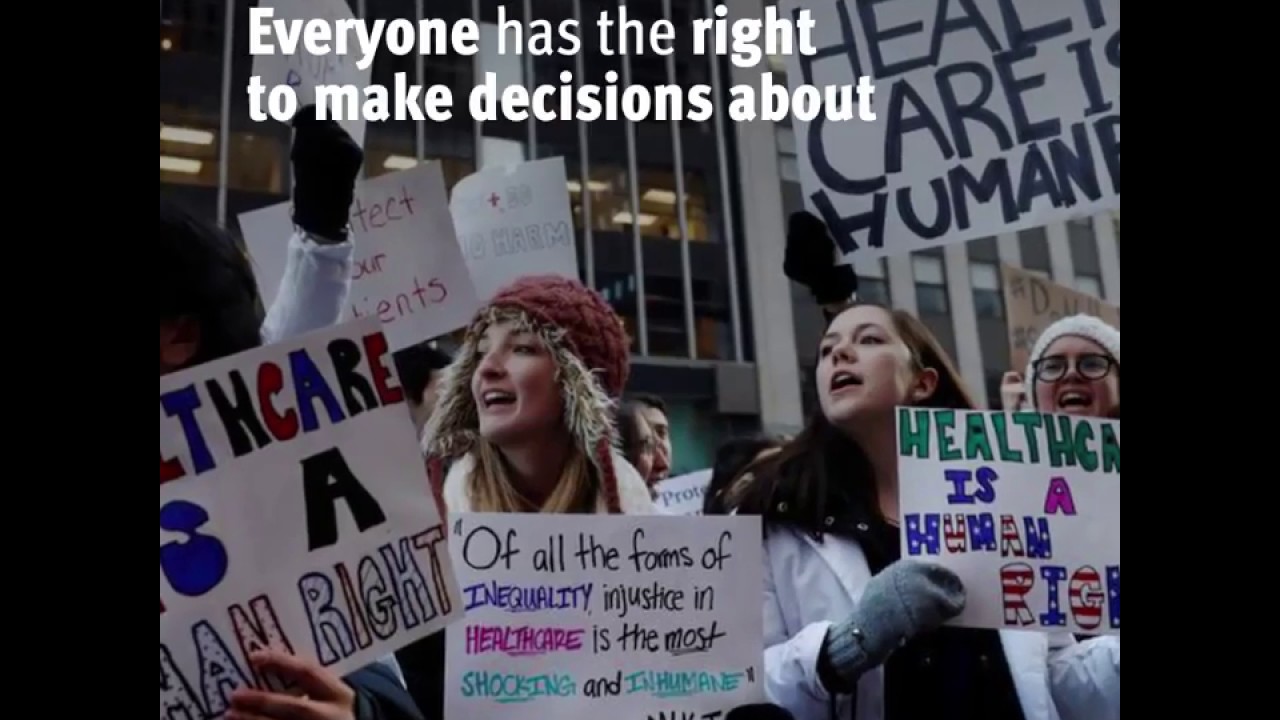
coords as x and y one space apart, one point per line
822 472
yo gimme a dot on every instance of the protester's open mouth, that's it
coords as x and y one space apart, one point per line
497 398
1074 399
844 379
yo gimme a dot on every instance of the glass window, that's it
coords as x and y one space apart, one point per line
987 299
188 148
931 284
1090 285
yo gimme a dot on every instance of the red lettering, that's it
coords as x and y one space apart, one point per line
368 266
420 297
1010 540
437 285
270 382
1086 598
375 350
384 311
1016 580
170 469
380 214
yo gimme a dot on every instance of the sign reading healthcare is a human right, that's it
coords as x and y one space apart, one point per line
989 116
295 514
1024 507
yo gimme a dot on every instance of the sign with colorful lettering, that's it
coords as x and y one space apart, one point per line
580 617
514 220
407 269
1024 507
985 117
294 514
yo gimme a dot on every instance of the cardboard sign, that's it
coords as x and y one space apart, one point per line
581 617
683 494
1033 303
407 270
294 514
303 71
990 116
1024 507
515 220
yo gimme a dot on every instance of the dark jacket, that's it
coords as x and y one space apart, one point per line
380 696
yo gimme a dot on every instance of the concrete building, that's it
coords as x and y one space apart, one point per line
680 225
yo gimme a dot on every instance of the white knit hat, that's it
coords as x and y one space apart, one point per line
1085 326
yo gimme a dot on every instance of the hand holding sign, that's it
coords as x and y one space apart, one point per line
324 695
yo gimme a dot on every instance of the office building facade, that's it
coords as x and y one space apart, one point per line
657 203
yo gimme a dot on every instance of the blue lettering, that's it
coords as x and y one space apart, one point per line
196 565
182 404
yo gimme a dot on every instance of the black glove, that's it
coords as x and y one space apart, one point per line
810 261
326 162
906 599
761 711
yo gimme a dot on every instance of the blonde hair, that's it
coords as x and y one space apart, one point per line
489 486
490 489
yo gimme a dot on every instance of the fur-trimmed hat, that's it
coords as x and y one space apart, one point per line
592 353
1085 326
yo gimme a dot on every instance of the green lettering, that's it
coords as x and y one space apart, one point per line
1061 451
976 442
1084 454
1007 454
1110 449
1029 422
913 439
946 420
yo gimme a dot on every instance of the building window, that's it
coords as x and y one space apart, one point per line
188 149
1089 285
987 300
931 284
873 283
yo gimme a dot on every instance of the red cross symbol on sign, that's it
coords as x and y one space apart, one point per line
493 199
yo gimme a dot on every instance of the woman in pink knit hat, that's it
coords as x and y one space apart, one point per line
525 412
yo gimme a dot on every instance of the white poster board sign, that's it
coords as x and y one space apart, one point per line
294 514
985 123
515 220
407 270
303 71
683 494
581 617
1024 507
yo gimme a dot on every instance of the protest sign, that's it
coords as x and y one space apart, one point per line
294 514
515 220
1024 507
580 617
683 494
990 116
407 270
1033 303
290 64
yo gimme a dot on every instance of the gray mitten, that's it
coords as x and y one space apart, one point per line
906 599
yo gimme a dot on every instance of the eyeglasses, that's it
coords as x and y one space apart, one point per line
1091 366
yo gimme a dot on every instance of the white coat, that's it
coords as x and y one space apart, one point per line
810 584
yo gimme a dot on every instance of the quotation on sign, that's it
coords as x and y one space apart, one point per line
1024 507
588 616
294 515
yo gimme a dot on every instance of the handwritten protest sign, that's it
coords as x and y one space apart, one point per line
294 514
408 270
515 220
292 65
1034 303
990 116
683 494
590 616
1024 507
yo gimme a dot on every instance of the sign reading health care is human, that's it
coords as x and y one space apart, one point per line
1024 507
582 617
990 116
294 514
